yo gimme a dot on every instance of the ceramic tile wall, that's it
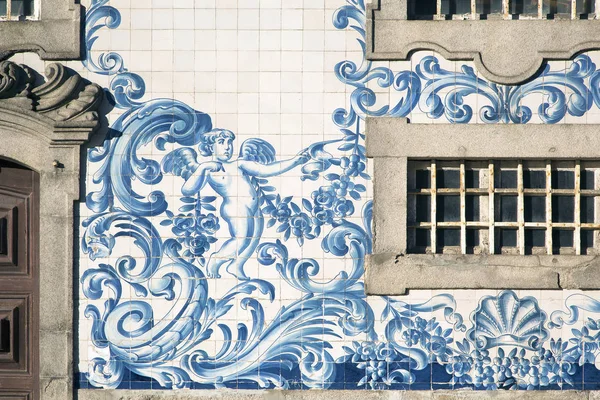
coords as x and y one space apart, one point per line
228 209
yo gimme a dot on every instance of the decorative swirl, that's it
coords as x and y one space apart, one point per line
105 373
93 283
574 304
344 14
363 98
505 101
99 16
98 243
15 80
127 88
298 273
167 121
130 328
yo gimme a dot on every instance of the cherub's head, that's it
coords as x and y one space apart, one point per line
217 143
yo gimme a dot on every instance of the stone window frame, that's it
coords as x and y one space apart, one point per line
504 51
56 33
42 127
391 142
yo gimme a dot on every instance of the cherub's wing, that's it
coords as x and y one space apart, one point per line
181 162
258 150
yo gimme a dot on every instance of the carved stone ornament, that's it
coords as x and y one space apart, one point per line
65 105
43 123
503 51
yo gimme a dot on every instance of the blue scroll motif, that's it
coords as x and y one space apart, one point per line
388 348
505 102
100 15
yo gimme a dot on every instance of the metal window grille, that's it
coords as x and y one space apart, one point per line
504 207
506 9
16 10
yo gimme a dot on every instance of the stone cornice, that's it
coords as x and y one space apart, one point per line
63 109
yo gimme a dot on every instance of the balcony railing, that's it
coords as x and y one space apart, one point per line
503 9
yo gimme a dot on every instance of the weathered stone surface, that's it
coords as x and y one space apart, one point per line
392 274
395 137
55 388
55 36
55 359
389 193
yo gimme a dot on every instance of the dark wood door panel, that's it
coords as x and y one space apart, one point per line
15 396
14 336
13 236
18 283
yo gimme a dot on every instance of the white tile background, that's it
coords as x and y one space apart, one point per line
261 69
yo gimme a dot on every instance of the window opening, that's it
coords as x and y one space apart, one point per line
506 9
504 207
16 10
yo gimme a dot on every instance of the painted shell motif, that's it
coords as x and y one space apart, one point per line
506 320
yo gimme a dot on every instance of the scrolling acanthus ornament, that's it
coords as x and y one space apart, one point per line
64 97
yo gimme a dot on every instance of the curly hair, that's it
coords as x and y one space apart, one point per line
209 138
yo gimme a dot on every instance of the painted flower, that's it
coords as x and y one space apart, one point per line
322 216
376 370
438 346
586 344
300 224
197 244
421 323
342 186
343 207
375 358
324 197
208 223
411 337
282 212
363 352
183 224
352 165
459 367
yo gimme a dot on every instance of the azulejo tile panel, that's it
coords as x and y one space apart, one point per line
227 250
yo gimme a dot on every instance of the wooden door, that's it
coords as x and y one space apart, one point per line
19 293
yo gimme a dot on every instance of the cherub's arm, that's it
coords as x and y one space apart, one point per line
253 168
198 178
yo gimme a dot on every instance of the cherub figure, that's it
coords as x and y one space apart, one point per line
231 179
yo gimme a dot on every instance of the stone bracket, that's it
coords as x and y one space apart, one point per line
504 51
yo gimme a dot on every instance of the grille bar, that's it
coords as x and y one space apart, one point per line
545 9
504 207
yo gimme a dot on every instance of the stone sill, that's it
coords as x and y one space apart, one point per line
394 274
398 138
